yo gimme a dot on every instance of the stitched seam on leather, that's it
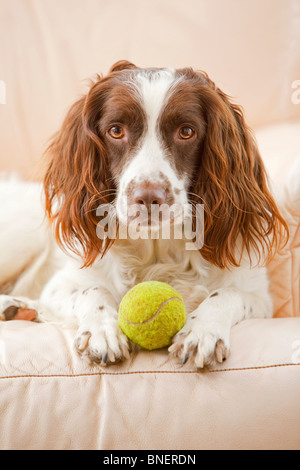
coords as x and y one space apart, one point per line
147 372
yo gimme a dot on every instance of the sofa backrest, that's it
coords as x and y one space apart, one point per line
48 49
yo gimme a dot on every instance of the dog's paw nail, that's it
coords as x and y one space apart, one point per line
185 359
221 351
82 341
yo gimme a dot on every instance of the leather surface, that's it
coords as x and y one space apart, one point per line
52 399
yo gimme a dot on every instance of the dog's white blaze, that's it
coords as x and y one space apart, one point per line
153 92
150 162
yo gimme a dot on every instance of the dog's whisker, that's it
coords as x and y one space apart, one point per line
95 208
99 198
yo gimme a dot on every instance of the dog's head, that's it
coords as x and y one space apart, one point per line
149 137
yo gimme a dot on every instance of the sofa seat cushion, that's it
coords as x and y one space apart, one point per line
52 399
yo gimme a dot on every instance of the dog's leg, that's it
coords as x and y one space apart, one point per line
99 337
205 336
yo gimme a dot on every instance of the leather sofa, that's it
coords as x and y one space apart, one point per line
49 397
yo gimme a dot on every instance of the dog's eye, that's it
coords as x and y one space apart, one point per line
116 132
186 133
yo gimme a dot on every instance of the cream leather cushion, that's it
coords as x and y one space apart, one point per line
51 399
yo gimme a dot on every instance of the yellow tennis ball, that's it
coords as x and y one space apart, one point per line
151 313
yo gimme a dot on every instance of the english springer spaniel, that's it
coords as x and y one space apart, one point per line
145 138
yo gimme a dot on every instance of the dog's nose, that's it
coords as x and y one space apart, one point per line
147 195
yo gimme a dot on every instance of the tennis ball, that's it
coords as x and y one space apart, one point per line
151 313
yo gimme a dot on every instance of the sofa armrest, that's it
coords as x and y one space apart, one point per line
52 399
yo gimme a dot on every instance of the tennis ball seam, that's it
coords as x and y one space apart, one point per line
154 316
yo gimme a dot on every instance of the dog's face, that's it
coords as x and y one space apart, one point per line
154 137
152 126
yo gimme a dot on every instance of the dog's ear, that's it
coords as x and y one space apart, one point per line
122 65
240 212
77 179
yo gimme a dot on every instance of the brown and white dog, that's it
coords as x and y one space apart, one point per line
144 137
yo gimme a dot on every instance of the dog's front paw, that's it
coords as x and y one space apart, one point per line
102 344
201 343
